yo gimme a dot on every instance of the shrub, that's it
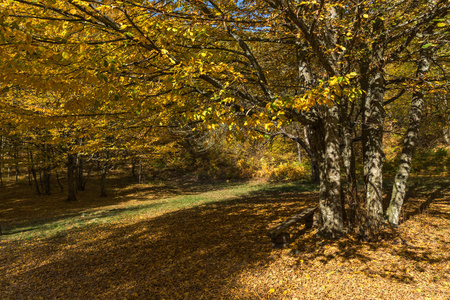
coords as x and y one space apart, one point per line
290 172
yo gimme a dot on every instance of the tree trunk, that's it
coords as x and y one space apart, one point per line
372 137
446 127
36 183
325 144
299 153
103 181
1 161
33 173
312 156
409 143
133 168
372 132
72 191
331 204
105 167
46 180
349 164
79 173
16 162
59 182
140 172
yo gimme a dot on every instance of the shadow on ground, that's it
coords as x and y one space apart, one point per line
180 255
195 253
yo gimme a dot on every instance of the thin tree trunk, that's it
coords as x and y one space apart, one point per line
141 172
79 173
59 182
105 167
16 162
72 190
409 143
133 168
41 180
36 184
33 173
1 161
46 180
299 153
446 127
312 156
30 182
103 180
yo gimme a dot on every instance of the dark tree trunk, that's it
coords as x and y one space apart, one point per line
41 180
140 172
33 173
16 162
314 170
1 161
349 164
46 180
105 167
59 182
312 156
30 176
36 183
409 143
79 173
72 191
133 168
103 180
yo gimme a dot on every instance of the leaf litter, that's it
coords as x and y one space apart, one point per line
220 250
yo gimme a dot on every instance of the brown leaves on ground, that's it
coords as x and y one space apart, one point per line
221 251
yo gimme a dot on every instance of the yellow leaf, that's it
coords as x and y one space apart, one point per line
272 291
267 126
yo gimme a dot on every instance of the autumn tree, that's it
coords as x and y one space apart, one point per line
266 63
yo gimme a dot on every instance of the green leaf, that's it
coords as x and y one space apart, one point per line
427 45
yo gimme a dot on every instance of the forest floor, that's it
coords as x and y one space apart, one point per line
186 240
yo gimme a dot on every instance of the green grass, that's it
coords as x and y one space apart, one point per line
112 214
